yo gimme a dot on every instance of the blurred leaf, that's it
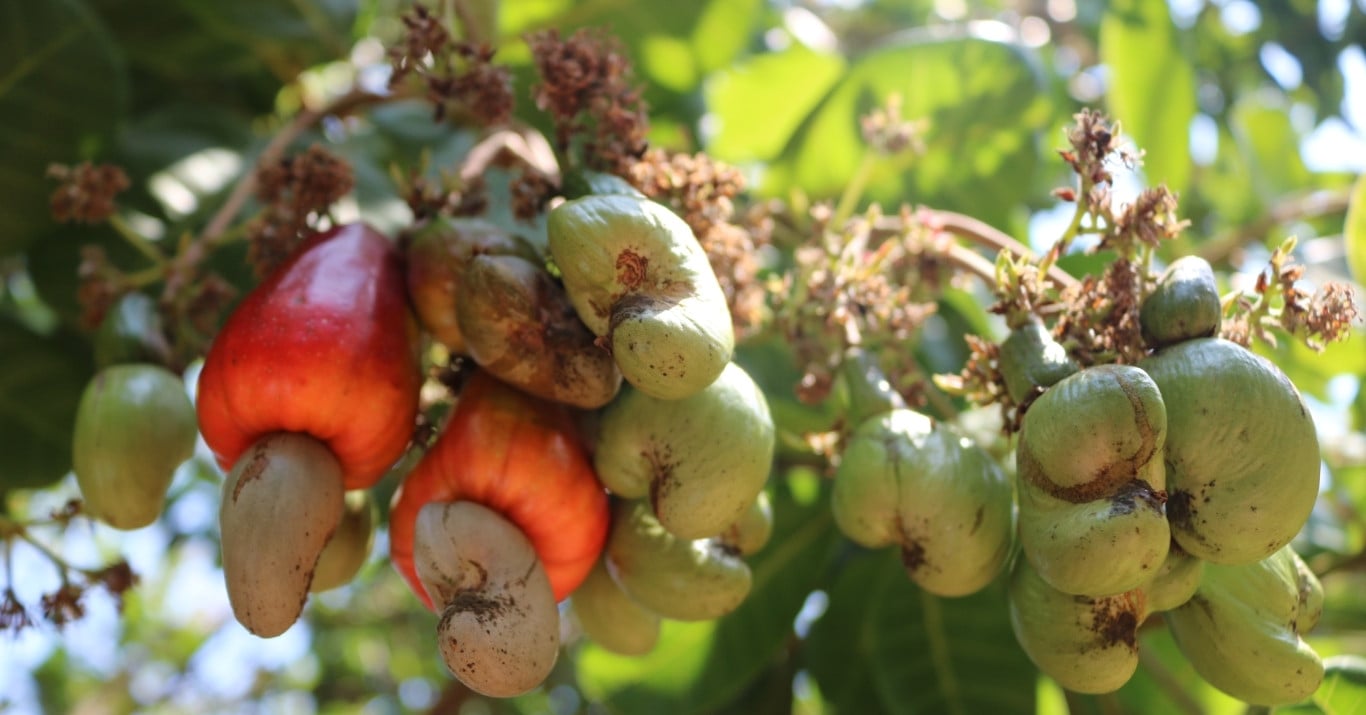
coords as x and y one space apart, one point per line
699 667
53 261
1151 86
984 105
1343 690
301 32
41 380
62 90
760 103
1261 127
1354 232
886 646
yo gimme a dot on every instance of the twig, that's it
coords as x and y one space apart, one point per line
1314 204
988 236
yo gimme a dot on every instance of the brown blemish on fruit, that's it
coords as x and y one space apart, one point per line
1114 620
631 269
913 556
260 459
1134 494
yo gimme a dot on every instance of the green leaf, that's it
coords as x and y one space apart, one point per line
62 90
699 667
984 104
760 103
1151 86
1261 127
41 380
303 32
886 646
1354 232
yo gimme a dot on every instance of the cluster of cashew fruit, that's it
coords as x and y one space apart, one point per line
605 445
1173 485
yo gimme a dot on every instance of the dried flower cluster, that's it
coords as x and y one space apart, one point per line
1325 316
63 605
587 87
86 192
296 192
856 286
458 78
887 133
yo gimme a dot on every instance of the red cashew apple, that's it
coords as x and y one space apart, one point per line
521 457
310 389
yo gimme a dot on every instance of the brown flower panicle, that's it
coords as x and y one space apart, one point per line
86 192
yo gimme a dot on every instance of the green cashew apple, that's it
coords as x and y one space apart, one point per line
1311 594
1185 304
751 532
131 332
1032 361
864 388
582 182
1091 480
1175 581
638 277
1088 645
350 544
944 501
701 460
134 425
611 618
1242 454
518 324
677 578
1242 631
437 254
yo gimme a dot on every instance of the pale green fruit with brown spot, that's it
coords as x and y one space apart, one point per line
1091 480
612 619
1242 631
638 277
1032 361
1311 594
680 579
437 254
751 532
349 547
1088 645
134 426
1175 581
518 324
1095 548
1242 454
1184 305
932 493
700 460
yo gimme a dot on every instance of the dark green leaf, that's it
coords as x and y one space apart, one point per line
886 646
1151 86
41 380
698 667
62 90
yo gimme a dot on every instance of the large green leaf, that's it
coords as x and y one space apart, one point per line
886 646
1261 127
41 380
1151 86
699 667
1354 232
302 32
759 104
62 90
984 105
